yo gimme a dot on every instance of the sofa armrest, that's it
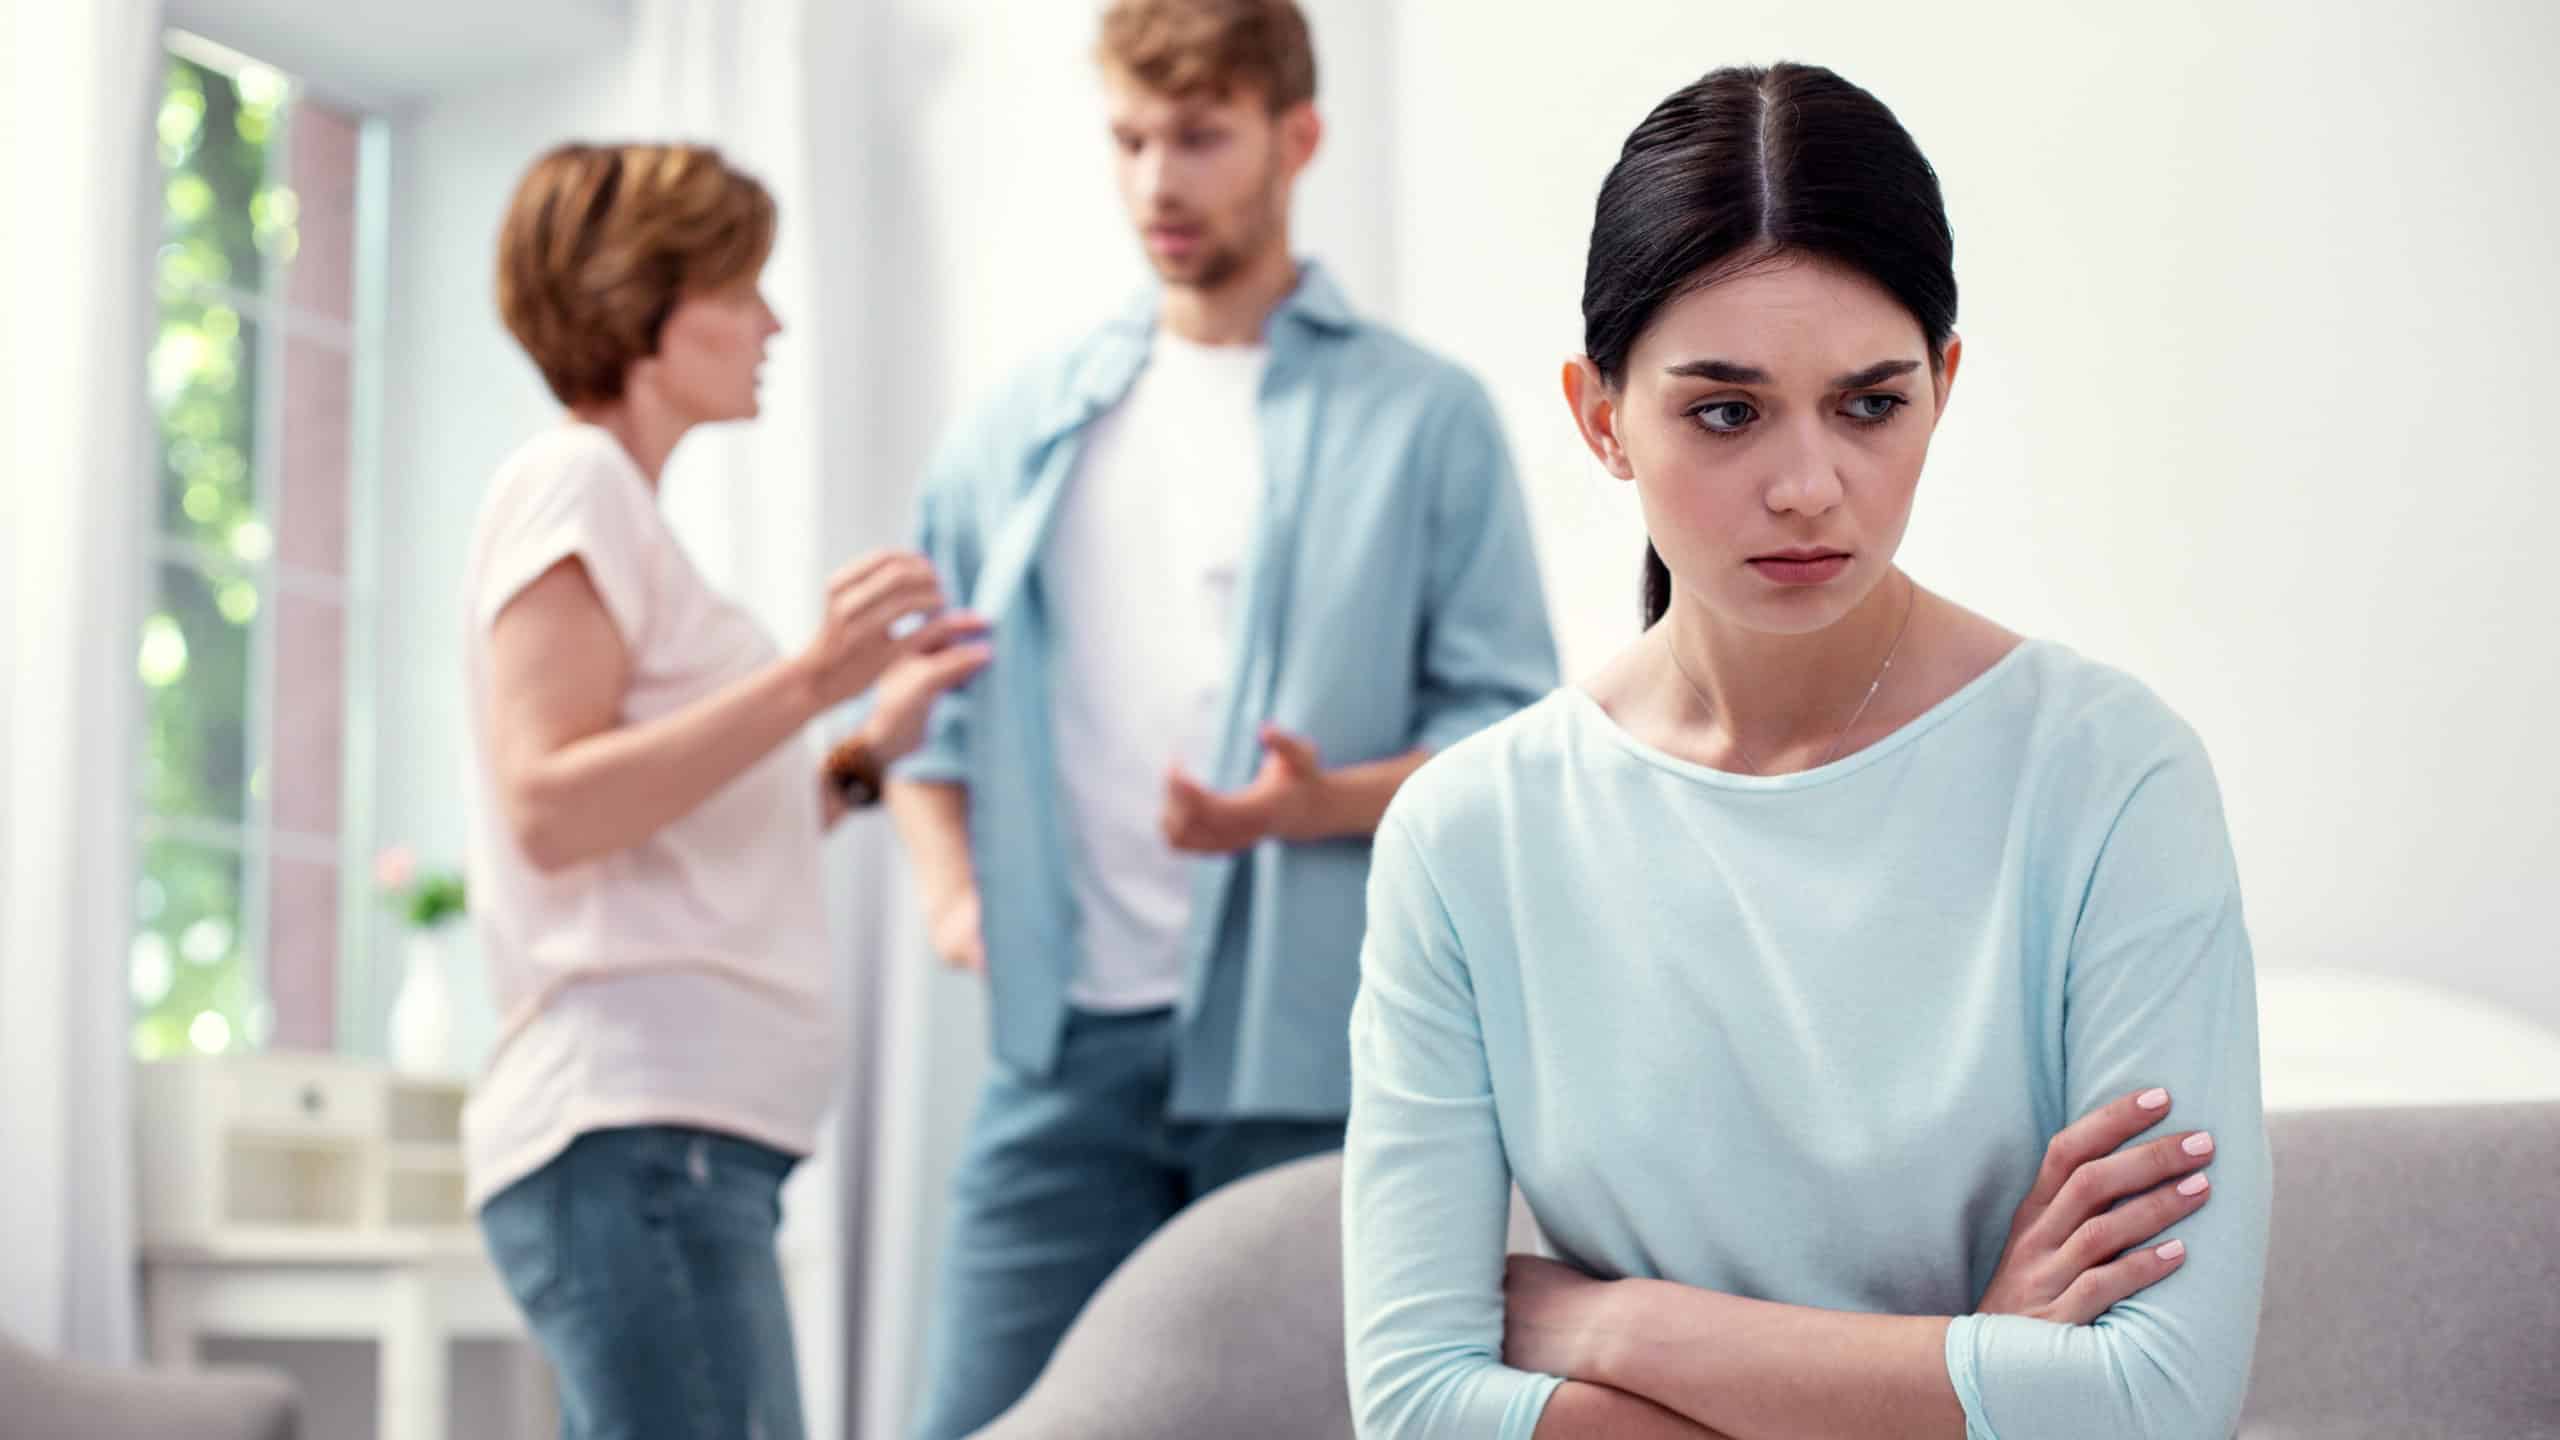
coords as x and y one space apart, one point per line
2413 1275
51 1399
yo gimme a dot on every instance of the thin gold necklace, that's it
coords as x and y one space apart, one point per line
1911 601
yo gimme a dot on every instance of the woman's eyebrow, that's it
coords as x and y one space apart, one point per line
1722 371
1726 372
1875 374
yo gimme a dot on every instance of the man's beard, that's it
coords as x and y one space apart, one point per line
1220 262
1210 268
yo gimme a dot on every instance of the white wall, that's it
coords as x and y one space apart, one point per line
2252 296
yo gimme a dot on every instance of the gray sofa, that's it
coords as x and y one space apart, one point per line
42 1398
2413 1290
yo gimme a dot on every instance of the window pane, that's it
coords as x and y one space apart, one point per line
318 391
323 172
220 221
204 393
243 652
192 986
194 665
310 701
302 953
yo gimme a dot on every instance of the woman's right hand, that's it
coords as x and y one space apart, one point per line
2071 1251
864 600
943 652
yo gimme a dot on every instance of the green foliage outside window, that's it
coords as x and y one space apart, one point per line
227 232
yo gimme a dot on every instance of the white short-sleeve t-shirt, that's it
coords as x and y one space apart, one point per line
1143 567
684 980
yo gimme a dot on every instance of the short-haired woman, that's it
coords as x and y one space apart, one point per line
644 828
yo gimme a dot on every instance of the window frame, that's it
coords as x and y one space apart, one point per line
277 323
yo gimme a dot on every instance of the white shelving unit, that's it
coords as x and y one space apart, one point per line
270 1150
303 1197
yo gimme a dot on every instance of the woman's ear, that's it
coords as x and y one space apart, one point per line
1945 378
1595 413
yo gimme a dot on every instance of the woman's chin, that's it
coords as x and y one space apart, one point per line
1791 612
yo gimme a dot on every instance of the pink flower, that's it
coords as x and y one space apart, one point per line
394 868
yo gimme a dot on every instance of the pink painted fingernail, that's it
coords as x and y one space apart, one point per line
2152 1099
2193 1185
2200 1143
2172 1250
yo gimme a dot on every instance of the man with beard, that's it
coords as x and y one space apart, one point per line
1250 560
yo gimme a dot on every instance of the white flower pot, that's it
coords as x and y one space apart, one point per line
422 1013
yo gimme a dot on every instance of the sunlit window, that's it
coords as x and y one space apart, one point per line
243 649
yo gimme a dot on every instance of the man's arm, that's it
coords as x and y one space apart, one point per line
933 823
927 789
1350 801
1293 797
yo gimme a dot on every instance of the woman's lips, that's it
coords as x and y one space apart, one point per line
1808 569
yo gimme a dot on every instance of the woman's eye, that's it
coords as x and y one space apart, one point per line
1874 409
1725 416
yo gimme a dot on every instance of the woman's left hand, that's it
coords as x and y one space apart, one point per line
1554 1317
943 652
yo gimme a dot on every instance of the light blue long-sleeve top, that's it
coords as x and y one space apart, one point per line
1803 1038
1390 601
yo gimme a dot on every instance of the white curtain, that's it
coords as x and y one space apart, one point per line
746 497
71 538
768 510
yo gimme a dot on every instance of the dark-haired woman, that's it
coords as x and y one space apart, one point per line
1828 968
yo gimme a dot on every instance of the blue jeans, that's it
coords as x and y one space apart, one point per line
644 1261
1062 1179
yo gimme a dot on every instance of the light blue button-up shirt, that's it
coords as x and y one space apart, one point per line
1390 600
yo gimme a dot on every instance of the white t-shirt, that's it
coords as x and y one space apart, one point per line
1143 567
684 980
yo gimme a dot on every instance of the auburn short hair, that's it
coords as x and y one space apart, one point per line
601 241
1184 48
